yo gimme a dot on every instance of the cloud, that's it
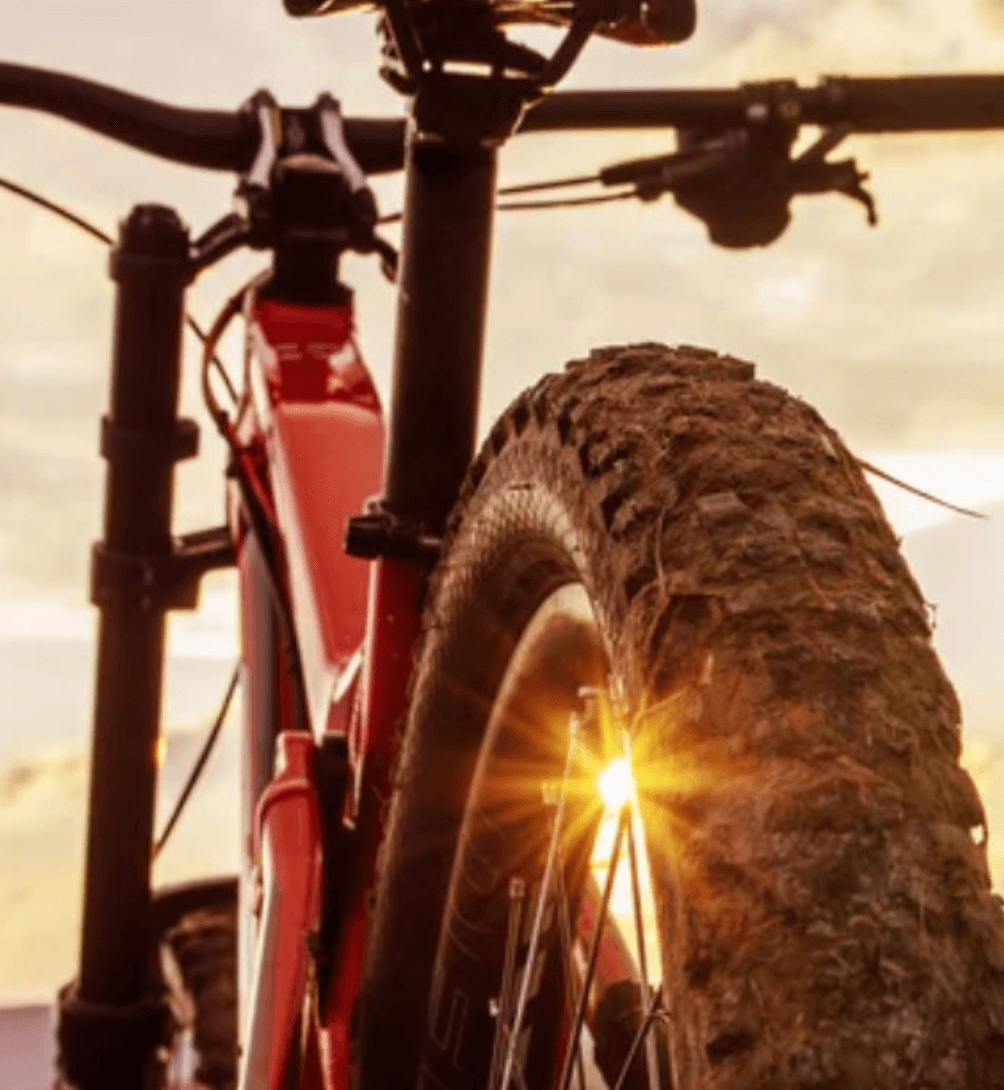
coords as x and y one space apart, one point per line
991 13
15 781
61 774
42 822
51 618
65 776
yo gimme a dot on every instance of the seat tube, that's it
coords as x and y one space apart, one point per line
442 304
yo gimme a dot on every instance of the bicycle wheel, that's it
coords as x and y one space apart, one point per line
824 906
196 930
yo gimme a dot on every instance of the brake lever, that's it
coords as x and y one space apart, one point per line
722 162
857 192
812 172
842 177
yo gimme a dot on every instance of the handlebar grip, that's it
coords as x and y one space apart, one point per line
909 103
893 104
213 139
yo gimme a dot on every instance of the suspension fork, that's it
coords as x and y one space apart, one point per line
112 1019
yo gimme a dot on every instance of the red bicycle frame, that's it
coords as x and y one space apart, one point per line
316 418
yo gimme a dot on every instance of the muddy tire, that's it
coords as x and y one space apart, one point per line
824 904
197 927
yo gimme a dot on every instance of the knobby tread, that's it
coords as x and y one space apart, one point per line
204 944
825 907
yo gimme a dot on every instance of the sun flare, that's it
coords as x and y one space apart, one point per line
616 785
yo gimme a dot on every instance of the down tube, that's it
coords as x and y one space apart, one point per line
436 388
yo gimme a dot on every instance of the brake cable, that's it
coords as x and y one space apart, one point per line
58 210
537 187
571 202
103 236
200 762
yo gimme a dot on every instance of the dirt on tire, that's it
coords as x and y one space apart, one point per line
827 906
203 943
826 914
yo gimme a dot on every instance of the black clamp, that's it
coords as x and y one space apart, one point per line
774 104
104 1045
332 775
378 533
149 446
160 581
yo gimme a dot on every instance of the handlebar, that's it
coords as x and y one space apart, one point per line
885 105
214 139
222 140
211 139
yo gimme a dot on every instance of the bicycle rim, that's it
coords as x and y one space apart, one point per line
546 946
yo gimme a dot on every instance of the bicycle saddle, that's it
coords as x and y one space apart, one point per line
637 22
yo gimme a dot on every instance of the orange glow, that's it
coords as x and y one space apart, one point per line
616 785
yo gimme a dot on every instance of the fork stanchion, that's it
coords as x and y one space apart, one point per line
442 302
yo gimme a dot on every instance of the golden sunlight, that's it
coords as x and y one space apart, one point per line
616 785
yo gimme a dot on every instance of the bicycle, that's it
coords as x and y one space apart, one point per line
654 558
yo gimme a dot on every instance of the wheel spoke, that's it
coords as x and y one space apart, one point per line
565 930
538 917
517 895
651 1061
594 950
506 1069
516 1074
651 1013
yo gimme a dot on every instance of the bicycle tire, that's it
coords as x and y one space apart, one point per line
825 908
198 925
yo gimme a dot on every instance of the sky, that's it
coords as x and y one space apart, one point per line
894 334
